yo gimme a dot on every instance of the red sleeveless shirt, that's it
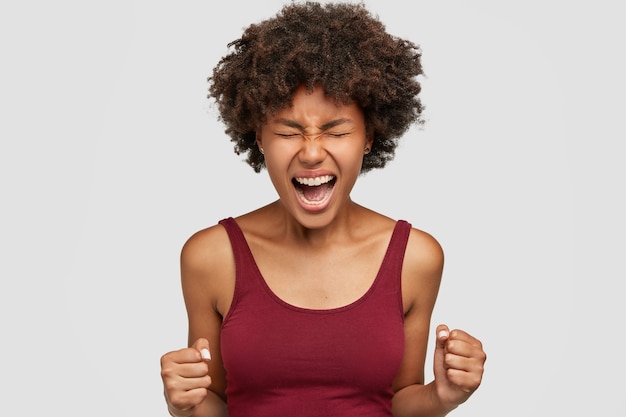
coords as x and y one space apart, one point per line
283 360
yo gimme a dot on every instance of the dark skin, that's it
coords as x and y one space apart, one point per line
295 243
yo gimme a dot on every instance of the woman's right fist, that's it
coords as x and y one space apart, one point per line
185 375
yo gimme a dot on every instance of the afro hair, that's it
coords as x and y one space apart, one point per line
341 47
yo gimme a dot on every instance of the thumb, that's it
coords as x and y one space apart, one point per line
442 335
202 346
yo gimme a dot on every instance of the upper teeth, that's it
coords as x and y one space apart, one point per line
312 182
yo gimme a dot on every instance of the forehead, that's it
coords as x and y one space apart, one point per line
315 107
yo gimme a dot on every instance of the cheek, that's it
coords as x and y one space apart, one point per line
350 157
277 165
277 158
281 149
273 167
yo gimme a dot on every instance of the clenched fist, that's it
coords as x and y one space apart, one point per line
186 379
458 365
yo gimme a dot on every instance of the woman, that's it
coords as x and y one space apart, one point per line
314 305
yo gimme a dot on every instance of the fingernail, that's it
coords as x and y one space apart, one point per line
205 353
442 334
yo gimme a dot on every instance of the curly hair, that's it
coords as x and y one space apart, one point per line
341 47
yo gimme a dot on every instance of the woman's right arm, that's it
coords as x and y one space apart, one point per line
194 377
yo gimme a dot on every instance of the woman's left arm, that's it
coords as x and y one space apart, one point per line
458 357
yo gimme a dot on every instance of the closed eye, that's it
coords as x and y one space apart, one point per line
288 135
334 135
337 135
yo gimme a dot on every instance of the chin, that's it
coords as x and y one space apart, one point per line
314 220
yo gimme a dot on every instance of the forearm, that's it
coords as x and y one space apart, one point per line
419 401
212 406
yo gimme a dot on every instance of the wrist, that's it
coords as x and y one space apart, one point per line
175 412
438 400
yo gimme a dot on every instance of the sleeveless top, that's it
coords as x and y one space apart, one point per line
284 360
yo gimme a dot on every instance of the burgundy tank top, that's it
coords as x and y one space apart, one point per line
283 360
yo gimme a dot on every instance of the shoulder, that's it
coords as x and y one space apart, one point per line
423 251
422 268
207 267
205 247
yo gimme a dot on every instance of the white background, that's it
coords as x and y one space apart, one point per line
111 156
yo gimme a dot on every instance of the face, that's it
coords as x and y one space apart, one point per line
313 154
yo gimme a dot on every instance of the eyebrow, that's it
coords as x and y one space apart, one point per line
325 126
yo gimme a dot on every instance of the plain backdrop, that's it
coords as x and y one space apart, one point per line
111 157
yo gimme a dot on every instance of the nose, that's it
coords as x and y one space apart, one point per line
312 151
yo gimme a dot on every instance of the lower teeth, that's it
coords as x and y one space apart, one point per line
317 202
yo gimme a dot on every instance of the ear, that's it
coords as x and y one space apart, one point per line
369 140
259 141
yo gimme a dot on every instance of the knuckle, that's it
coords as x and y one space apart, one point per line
475 383
481 369
452 344
165 373
175 398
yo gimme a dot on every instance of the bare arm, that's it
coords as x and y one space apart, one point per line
458 365
458 356
194 385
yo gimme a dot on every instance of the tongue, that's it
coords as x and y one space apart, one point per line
314 193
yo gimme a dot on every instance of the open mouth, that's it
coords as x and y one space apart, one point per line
315 190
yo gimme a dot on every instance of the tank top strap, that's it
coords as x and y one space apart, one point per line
397 245
391 267
392 262
244 260
248 277
237 239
